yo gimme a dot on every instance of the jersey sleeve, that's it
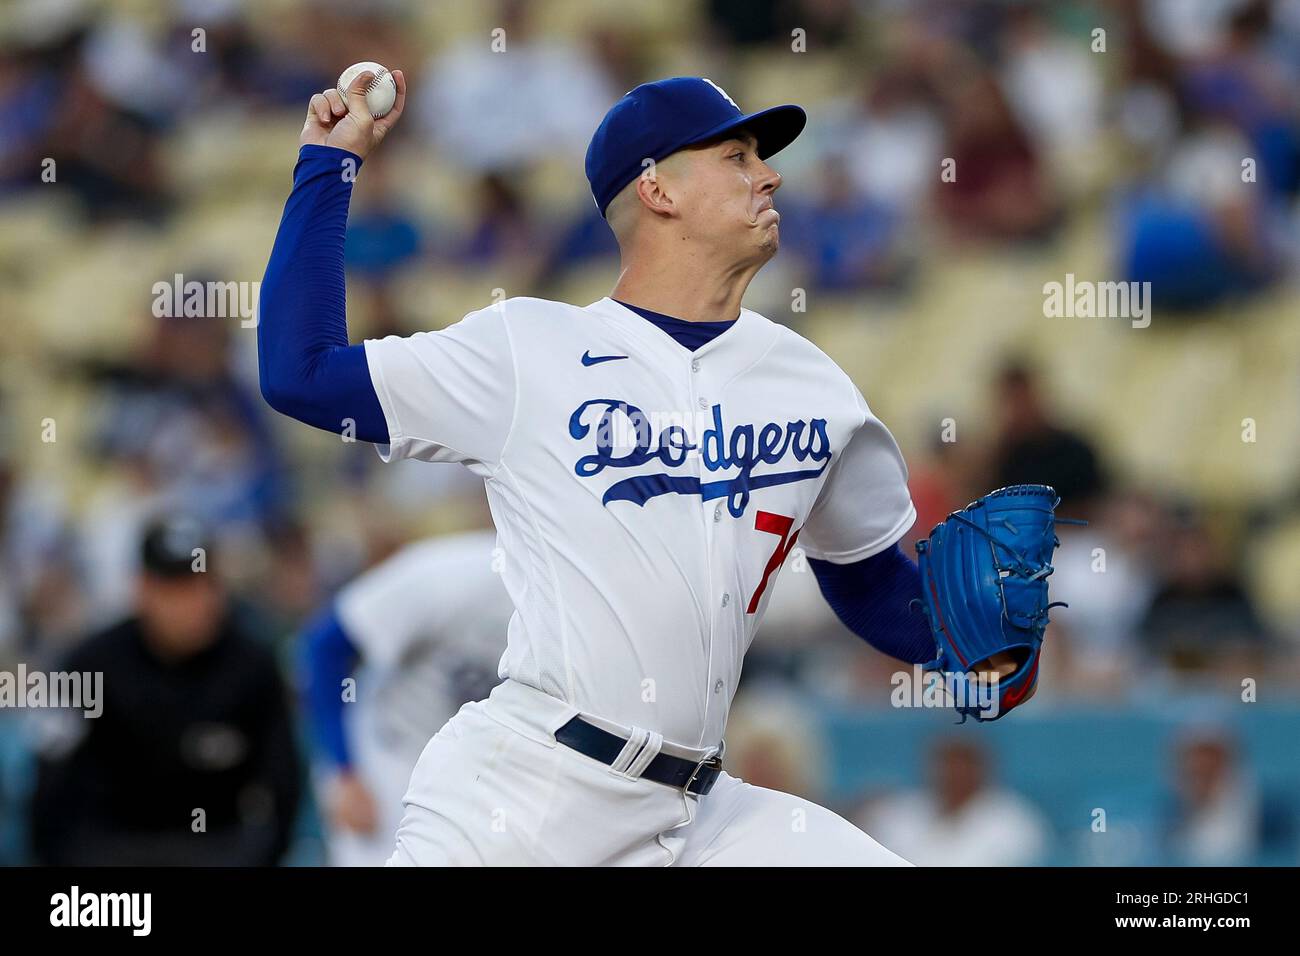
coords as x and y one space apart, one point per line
447 396
864 506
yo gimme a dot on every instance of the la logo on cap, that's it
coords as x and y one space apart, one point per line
722 92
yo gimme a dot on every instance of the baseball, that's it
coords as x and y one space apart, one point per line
382 92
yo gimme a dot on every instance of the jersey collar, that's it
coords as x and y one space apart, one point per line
738 336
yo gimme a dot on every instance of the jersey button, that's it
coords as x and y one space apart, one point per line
704 402
726 599
717 688
717 512
695 365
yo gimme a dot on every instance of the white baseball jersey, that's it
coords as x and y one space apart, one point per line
645 495
430 626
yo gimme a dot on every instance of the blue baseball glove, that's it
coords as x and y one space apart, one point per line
984 576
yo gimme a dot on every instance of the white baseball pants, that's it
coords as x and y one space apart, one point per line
494 788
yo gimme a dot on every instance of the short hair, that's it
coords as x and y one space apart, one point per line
620 210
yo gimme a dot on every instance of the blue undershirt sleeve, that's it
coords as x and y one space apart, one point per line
307 369
327 657
873 597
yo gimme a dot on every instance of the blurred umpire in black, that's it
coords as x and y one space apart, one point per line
193 759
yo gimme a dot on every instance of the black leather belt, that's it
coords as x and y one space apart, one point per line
689 775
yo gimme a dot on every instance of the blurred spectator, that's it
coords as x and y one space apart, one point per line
621 53
1201 611
1031 447
538 97
1052 81
31 82
1198 234
288 586
847 241
1104 573
192 760
586 237
963 818
125 181
42 593
383 235
179 409
1186 30
503 228
998 189
894 138
1245 81
246 68
1215 819
940 482
1213 95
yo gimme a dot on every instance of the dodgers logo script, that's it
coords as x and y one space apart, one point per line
719 450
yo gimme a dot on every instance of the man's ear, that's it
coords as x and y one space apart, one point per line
652 190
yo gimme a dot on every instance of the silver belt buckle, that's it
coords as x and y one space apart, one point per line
713 762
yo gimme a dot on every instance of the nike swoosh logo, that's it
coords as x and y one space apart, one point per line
589 359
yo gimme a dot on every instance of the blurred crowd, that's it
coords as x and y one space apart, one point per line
1154 141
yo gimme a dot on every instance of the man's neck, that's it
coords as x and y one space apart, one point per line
692 295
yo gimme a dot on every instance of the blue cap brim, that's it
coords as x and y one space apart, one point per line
775 128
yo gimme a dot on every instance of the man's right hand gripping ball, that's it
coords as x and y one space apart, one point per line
332 122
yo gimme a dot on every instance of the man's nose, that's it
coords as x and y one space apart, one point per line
771 180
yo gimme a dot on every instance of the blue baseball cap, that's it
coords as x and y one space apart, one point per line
657 119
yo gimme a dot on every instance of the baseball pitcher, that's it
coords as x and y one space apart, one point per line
650 461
